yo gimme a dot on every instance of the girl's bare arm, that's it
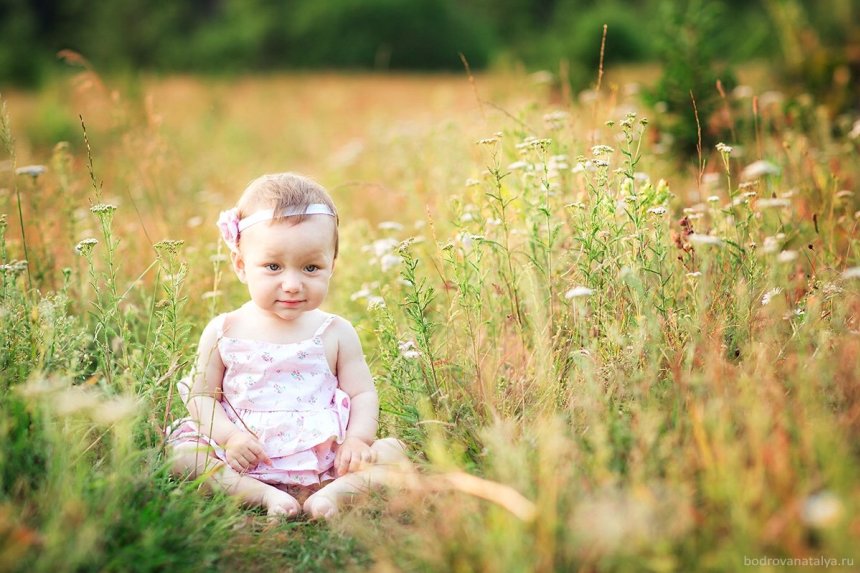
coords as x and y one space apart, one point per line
355 379
203 399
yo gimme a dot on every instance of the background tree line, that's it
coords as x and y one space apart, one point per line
254 35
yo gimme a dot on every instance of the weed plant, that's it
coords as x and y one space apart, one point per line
649 369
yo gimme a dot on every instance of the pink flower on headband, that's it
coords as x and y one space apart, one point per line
228 224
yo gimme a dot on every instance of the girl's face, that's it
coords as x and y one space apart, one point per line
287 266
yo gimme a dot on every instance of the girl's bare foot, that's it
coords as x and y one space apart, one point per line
279 503
320 506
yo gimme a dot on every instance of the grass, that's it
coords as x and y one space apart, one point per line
652 362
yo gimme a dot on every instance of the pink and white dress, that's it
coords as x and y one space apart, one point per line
288 397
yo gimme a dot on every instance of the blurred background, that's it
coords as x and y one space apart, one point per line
813 42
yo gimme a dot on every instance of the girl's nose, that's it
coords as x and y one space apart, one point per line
291 282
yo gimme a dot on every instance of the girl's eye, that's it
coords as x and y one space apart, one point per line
273 266
311 268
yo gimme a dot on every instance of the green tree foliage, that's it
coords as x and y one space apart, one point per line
419 34
692 50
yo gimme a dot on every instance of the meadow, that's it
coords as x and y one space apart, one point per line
602 354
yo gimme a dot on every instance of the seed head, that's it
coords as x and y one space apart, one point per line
102 208
168 246
85 247
599 150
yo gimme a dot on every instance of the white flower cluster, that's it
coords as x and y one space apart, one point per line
86 246
14 267
383 253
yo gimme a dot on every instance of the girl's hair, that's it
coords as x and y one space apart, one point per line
286 192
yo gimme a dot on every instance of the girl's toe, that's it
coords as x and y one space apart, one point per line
320 508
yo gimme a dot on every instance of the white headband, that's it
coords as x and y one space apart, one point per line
260 216
231 226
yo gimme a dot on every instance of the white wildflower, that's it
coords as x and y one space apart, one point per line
770 203
472 182
758 169
786 256
771 244
583 166
374 302
555 119
851 273
771 97
389 261
487 141
713 199
694 274
390 226
517 165
103 208
382 247
578 292
533 143
700 239
361 293
587 97
742 92
558 162
724 149
85 246
657 211
408 349
31 170
821 509
599 150
766 297
710 179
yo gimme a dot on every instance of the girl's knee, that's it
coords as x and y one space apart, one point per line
186 460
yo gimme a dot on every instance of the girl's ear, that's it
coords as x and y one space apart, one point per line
238 265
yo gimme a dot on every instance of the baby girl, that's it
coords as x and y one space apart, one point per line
281 399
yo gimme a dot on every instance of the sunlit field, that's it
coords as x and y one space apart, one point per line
604 355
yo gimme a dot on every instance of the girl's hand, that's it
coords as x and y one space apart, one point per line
244 451
353 455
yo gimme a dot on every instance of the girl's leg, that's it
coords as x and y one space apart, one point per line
390 456
194 460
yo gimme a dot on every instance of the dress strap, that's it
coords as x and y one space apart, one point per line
219 322
324 325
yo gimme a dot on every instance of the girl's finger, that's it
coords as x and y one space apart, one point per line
262 458
345 461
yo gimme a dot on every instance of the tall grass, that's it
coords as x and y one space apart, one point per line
658 365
